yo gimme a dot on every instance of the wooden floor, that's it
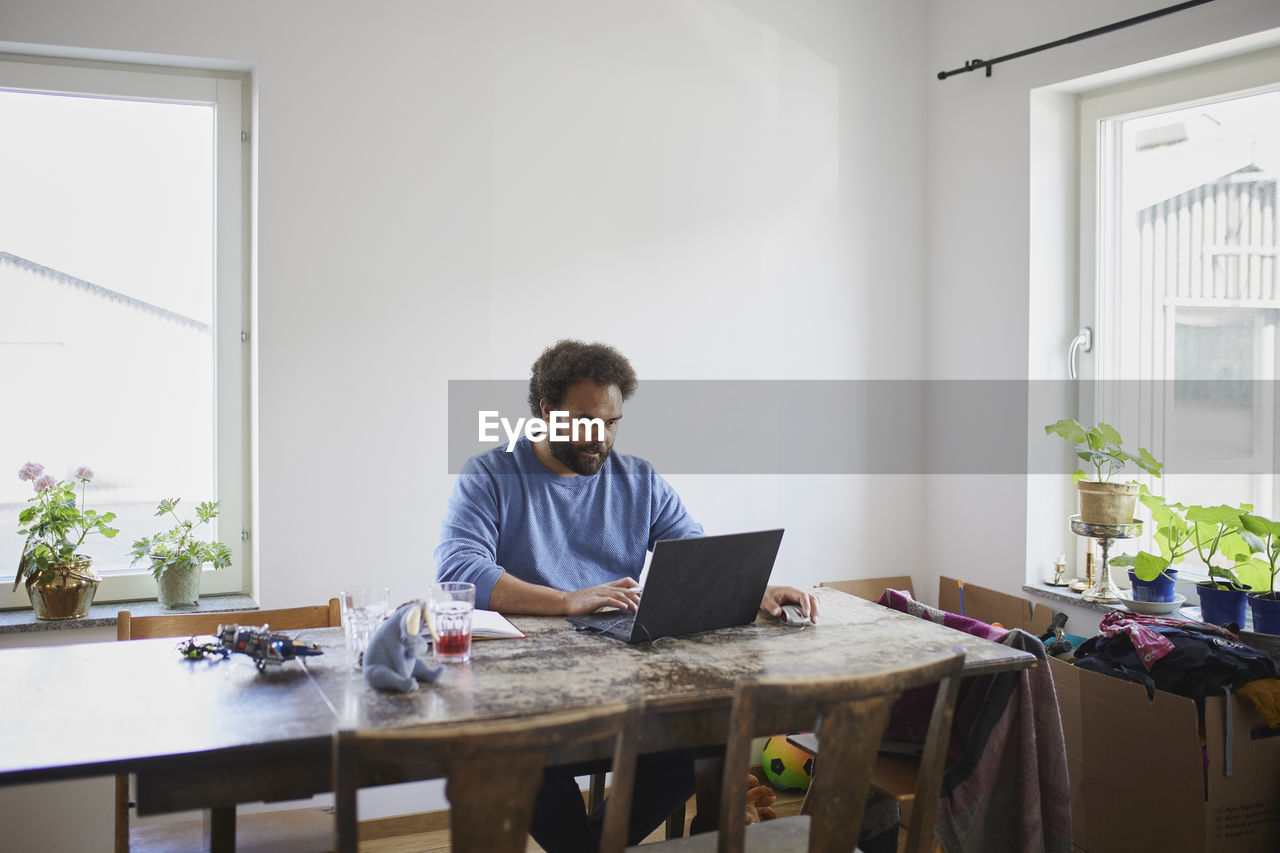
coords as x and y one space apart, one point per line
311 831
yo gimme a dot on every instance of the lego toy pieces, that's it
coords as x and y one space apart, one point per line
265 647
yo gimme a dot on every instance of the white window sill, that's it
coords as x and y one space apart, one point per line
104 615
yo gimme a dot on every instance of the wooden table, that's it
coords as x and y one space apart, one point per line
215 733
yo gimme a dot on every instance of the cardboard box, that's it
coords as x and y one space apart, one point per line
990 606
1137 770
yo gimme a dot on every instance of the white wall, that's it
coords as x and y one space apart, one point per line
720 189
984 319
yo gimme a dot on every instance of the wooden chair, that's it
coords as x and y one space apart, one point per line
493 770
129 627
851 712
871 588
892 776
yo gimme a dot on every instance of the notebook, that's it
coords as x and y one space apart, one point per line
697 584
491 625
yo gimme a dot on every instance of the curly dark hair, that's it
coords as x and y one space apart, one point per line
569 361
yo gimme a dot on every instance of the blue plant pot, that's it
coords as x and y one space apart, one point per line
1160 589
1220 606
1266 613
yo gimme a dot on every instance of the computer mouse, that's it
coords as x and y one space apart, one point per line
792 616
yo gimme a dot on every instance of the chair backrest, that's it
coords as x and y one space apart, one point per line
492 770
130 627
871 588
851 713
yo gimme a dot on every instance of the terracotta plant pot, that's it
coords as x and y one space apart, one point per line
1107 503
64 590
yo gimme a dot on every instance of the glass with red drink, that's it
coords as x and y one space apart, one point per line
449 607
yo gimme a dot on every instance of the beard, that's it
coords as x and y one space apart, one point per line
571 456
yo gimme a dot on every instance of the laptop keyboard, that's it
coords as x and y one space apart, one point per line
606 627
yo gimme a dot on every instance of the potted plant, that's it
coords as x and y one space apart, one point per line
1218 530
1210 532
1265 541
60 581
1152 575
177 557
1102 501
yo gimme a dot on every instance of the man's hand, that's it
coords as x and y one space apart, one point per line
624 593
776 596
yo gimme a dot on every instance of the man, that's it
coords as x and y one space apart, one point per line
561 528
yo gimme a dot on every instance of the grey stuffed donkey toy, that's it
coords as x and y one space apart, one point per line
392 661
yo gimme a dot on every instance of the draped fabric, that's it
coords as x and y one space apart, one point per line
1006 788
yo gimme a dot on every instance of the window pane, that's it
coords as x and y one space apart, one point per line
106 305
1214 359
1195 286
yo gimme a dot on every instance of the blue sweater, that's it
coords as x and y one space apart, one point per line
509 513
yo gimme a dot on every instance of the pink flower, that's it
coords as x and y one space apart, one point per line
30 471
44 483
83 473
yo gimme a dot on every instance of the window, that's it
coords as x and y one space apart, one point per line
123 300
1180 279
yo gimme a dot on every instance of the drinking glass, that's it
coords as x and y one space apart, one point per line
449 607
363 609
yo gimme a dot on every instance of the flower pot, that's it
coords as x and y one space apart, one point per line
64 590
1160 589
1266 612
1220 606
1107 503
179 586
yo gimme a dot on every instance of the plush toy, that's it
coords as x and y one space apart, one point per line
759 798
392 661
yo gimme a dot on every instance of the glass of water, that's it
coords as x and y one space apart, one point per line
363 609
449 607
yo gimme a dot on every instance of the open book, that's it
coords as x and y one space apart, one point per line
492 625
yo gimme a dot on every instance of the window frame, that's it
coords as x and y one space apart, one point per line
229 94
1099 263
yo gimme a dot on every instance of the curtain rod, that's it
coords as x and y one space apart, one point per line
975 64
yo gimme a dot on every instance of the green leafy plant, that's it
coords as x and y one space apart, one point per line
1210 532
177 546
1263 536
1173 535
55 523
1101 446
1218 530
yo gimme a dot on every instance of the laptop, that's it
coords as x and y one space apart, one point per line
697 584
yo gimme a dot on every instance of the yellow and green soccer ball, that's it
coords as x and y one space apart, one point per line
787 767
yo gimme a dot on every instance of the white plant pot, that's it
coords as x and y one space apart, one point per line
179 586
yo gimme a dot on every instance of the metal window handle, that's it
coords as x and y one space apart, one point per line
1082 342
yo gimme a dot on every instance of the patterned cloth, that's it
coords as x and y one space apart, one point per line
1202 660
903 602
1150 644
